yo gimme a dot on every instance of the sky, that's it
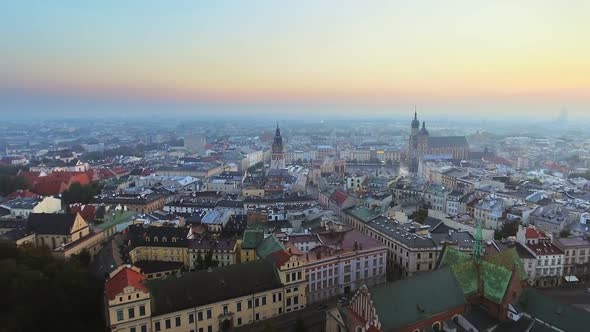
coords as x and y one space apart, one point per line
474 57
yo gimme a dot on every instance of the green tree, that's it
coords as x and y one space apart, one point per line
508 229
200 262
565 233
11 183
83 194
41 293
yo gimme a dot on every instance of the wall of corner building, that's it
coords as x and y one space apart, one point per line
129 298
162 254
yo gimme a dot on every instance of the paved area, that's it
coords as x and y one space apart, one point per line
314 318
575 296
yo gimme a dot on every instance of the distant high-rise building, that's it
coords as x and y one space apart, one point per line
277 160
195 143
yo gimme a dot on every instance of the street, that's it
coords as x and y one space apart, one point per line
575 296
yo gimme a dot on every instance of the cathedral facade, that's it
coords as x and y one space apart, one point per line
421 144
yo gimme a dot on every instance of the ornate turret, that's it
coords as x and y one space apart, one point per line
277 152
415 122
423 131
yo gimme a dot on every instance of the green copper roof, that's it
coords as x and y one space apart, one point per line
508 259
495 281
363 213
268 246
463 267
252 238
402 303
495 277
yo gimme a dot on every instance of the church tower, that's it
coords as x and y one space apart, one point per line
277 158
414 144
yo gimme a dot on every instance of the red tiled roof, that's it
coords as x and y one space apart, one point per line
339 197
21 193
86 211
30 177
124 278
532 233
280 257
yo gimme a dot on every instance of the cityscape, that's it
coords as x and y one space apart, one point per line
286 171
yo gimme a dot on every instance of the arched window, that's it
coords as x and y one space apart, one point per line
436 327
155 239
358 329
164 239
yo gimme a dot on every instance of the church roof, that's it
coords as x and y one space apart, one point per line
404 302
495 271
447 141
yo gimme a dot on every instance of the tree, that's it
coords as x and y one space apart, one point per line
83 194
420 215
200 262
565 233
299 325
508 229
42 293
11 183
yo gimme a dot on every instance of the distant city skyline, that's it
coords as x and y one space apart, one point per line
475 58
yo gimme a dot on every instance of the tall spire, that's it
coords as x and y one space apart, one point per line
415 122
478 245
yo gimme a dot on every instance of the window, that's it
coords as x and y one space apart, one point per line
288 277
299 275
191 318
119 315
157 327
208 313
239 306
257 316
257 302
225 310
167 323
264 300
209 328
249 304
177 321
288 301
132 329
131 312
274 298
200 316
280 297
296 300
143 328
239 321
200 329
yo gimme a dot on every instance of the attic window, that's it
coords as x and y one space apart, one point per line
155 239
164 239
147 239
174 239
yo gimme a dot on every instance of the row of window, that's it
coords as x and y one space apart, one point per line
130 313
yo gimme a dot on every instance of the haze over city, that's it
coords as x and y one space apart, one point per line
484 59
295 166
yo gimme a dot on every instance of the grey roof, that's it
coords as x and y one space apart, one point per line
22 203
405 233
405 302
54 224
195 289
447 141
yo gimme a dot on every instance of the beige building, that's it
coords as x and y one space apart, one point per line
204 301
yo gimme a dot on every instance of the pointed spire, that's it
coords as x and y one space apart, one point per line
478 250
415 114
424 124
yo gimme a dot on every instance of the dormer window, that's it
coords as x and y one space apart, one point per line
155 239
147 239
164 239
173 240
